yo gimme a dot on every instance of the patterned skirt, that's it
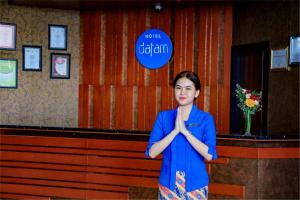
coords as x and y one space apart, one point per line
179 192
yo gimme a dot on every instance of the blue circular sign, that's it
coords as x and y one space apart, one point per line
153 48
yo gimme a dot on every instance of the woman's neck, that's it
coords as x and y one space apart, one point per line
185 111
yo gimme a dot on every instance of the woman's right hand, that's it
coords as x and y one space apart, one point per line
177 122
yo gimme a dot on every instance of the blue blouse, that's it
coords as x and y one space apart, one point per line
201 125
181 143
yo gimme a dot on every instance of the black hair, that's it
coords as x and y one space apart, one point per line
192 76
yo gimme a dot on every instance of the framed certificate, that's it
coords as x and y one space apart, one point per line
58 37
294 50
8 73
7 36
60 66
32 58
279 59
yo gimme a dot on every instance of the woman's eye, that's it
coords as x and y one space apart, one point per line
177 88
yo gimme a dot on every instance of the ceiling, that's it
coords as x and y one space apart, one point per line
94 4
113 4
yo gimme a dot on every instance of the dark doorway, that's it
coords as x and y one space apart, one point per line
250 68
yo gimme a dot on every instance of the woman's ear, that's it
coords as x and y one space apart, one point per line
197 93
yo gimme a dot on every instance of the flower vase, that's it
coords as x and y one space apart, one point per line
247 115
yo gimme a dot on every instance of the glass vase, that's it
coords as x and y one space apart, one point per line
247 116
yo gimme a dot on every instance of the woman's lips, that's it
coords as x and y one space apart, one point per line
182 98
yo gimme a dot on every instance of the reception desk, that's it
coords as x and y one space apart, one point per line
55 163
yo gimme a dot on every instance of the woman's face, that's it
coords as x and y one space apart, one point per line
185 92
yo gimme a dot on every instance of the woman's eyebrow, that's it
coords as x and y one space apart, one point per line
188 86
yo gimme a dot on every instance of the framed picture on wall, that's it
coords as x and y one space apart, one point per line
279 59
32 58
8 73
7 36
57 37
294 50
60 65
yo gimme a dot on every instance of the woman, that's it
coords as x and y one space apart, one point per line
186 136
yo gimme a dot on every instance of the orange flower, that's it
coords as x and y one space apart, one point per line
250 103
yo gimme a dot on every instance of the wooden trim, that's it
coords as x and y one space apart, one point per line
258 140
227 67
223 151
220 160
274 153
84 185
128 163
258 153
81 168
60 192
6 195
83 105
227 189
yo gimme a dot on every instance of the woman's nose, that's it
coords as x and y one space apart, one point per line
182 91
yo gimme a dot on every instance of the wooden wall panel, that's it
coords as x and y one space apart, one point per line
83 105
128 96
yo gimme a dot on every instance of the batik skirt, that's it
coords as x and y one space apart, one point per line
179 192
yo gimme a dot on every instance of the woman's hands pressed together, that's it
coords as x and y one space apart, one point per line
179 124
